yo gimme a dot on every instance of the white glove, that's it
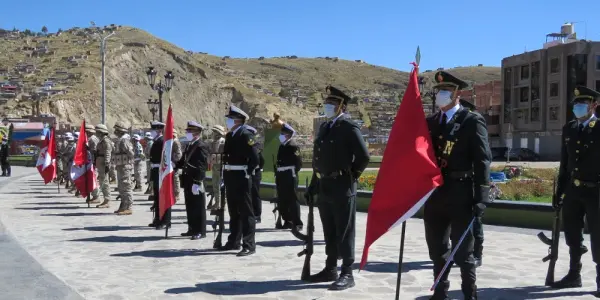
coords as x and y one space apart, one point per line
196 189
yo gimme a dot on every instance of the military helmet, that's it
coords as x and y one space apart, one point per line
101 128
90 128
120 127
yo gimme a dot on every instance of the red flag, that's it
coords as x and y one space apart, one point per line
408 173
166 197
82 170
46 163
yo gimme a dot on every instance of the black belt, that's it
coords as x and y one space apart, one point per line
582 183
458 175
332 174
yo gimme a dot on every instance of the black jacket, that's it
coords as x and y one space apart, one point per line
289 155
194 162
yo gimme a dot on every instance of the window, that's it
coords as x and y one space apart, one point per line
554 65
507 81
597 62
524 94
535 70
535 114
553 113
554 89
525 72
597 85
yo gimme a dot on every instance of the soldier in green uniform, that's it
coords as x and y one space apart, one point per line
578 183
340 155
93 141
460 141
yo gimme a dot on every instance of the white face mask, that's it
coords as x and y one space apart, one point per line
443 98
329 110
153 134
230 123
189 136
282 138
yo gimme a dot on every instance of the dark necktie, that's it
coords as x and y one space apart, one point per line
443 122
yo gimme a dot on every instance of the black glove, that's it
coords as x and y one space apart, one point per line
557 201
478 210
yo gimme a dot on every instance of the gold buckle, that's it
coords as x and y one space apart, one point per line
318 175
576 182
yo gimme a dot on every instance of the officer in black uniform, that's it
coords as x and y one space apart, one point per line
289 163
194 163
4 157
460 140
256 179
340 156
240 159
156 129
578 183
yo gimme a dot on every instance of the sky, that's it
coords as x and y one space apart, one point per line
380 32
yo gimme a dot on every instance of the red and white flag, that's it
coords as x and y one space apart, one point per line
46 163
408 173
166 196
82 170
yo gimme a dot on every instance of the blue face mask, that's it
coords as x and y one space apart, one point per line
580 110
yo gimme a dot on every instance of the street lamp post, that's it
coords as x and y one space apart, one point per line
153 106
430 94
102 54
160 88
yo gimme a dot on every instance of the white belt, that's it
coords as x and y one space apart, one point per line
235 168
287 168
154 166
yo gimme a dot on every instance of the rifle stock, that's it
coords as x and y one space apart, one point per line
306 238
552 256
220 215
276 211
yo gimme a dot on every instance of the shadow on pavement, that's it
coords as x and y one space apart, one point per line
170 253
23 193
78 214
388 267
285 243
48 207
49 203
107 228
517 293
272 230
51 196
120 239
230 288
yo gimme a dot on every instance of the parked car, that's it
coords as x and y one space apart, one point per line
523 154
499 153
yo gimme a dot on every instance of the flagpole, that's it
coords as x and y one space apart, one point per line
400 258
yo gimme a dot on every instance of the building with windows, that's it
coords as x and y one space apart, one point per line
487 99
537 87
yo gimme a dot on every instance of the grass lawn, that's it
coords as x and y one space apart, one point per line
269 177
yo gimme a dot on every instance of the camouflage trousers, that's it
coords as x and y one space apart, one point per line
216 186
137 172
176 184
112 173
125 186
103 182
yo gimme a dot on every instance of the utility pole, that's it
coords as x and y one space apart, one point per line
102 54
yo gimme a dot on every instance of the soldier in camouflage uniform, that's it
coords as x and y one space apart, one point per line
149 141
60 144
176 156
138 160
65 161
112 172
102 160
92 145
123 161
216 149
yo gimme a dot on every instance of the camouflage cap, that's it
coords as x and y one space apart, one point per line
101 128
120 127
89 128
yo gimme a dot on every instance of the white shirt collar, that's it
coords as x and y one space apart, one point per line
585 124
335 119
450 113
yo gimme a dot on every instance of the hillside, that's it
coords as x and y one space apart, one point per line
204 84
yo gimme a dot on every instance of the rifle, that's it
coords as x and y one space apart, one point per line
308 237
220 213
275 201
553 243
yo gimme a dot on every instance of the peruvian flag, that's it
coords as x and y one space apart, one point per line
46 163
82 170
408 173
166 196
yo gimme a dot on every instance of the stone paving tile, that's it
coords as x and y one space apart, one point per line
103 256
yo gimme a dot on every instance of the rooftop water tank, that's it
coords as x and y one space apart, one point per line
567 28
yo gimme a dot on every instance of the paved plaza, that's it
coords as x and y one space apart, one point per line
54 247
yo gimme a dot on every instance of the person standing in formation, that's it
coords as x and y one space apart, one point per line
155 159
257 178
216 147
92 147
123 161
194 164
4 157
113 172
103 161
177 152
66 145
149 141
340 156
69 155
59 162
240 160
460 142
289 164
577 185
138 159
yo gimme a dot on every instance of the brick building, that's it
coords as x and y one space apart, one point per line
487 98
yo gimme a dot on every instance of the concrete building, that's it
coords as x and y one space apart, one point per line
538 86
487 98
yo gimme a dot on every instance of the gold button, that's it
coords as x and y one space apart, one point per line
578 142
576 169
441 137
576 151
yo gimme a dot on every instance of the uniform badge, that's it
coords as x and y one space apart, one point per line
576 92
592 124
297 153
251 142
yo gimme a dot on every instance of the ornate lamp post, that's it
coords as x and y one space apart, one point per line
160 88
153 106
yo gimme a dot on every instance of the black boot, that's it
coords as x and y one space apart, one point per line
326 275
597 292
345 281
441 291
469 291
572 280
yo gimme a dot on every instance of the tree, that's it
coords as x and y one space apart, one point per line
27 32
45 29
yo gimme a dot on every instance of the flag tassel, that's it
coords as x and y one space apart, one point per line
400 258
